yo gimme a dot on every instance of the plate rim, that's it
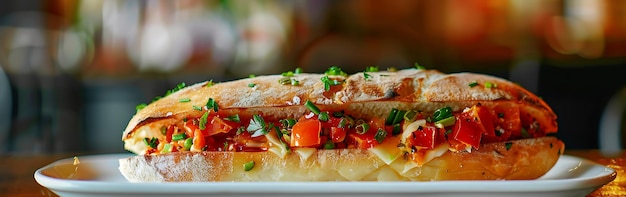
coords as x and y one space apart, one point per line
398 187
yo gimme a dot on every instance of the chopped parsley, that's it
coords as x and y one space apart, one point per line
257 126
233 118
508 145
184 100
371 69
335 71
211 104
419 67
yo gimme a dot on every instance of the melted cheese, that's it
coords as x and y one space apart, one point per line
388 151
304 153
276 146
135 144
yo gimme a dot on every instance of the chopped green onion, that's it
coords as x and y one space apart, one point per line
449 121
251 85
334 70
251 76
367 76
346 122
203 121
297 71
410 115
188 143
248 166
371 69
392 69
380 135
152 143
418 67
211 104
399 117
295 82
163 130
338 114
312 107
442 113
362 128
397 129
233 118
195 107
167 148
175 89
288 123
184 100
323 116
472 84
225 146
284 81
287 74
209 83
508 145
488 84
391 116
184 119
140 107
179 136
326 82
240 130
329 144
447 132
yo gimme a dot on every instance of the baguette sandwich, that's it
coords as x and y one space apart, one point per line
405 125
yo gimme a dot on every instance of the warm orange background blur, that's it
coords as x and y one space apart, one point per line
71 72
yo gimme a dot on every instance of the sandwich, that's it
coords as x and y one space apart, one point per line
396 125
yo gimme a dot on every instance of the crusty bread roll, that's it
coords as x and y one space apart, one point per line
362 96
525 159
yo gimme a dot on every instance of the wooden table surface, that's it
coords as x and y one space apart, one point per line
16 173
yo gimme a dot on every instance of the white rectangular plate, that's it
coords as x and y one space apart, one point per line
99 176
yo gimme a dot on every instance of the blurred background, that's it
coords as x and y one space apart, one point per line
72 72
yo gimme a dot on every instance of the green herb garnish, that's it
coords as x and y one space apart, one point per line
248 166
257 126
472 84
311 106
203 121
508 145
442 113
380 135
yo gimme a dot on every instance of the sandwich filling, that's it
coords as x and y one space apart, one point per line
409 133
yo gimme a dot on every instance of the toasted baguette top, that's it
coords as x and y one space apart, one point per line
426 90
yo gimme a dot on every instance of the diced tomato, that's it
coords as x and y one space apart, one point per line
424 138
306 133
467 131
218 125
483 118
337 134
198 141
168 134
363 141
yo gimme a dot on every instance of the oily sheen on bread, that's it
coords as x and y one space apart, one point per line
363 96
